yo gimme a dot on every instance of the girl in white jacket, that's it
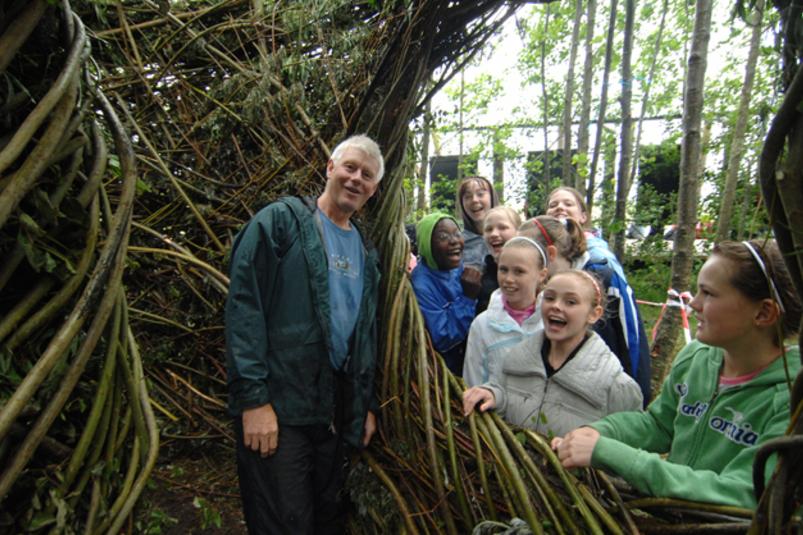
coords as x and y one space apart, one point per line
512 316
565 375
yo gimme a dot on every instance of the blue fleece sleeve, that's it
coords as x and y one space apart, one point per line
447 318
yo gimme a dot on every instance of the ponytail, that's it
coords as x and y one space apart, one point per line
569 238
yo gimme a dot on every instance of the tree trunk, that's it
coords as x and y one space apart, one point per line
603 104
421 201
545 96
705 143
781 185
499 168
608 181
646 98
626 148
783 196
581 172
744 203
739 129
682 254
567 169
460 126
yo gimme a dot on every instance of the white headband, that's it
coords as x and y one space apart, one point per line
763 267
533 243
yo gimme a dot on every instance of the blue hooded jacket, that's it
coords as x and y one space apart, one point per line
621 327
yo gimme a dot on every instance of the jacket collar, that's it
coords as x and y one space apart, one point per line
589 367
310 202
587 375
771 375
439 273
500 320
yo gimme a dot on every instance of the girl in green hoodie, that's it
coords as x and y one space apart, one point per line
727 393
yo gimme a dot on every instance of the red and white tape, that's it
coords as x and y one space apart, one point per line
673 299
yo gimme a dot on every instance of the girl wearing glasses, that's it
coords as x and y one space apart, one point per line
446 291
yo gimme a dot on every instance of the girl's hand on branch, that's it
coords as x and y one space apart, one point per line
575 449
477 397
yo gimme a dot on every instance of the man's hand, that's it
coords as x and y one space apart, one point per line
261 429
471 280
369 429
475 395
575 449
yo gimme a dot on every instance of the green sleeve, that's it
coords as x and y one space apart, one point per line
650 473
254 261
651 430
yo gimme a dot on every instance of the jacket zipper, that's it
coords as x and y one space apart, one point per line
701 421
538 415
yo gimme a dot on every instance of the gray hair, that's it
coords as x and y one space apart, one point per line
365 144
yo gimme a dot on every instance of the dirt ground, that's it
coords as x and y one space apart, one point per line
192 490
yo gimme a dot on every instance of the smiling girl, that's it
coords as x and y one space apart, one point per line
566 202
446 292
501 224
727 393
475 196
512 314
621 326
564 375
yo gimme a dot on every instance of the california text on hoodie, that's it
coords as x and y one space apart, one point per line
711 433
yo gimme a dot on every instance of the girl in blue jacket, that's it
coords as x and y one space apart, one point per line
446 292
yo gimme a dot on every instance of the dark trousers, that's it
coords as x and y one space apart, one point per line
298 489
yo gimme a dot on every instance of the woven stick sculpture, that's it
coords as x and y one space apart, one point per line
77 435
230 104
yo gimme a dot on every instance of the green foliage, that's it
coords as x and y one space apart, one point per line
442 195
538 192
210 516
659 175
649 279
479 93
157 523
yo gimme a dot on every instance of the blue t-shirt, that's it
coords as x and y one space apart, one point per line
344 251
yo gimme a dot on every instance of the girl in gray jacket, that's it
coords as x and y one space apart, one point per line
565 376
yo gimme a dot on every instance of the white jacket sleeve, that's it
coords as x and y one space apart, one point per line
475 368
624 394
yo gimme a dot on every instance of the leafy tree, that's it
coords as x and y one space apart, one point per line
567 173
603 104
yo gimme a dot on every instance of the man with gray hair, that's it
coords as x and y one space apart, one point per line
301 347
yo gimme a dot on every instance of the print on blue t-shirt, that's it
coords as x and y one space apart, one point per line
346 258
